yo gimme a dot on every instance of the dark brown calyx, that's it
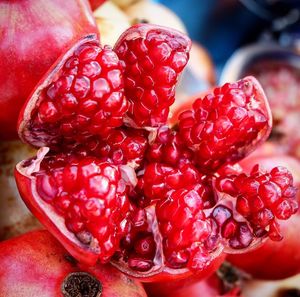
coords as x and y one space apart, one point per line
81 284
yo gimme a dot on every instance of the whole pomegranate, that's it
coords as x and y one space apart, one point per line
227 282
114 183
35 264
33 35
281 260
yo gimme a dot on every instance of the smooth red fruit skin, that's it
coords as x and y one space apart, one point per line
274 260
225 126
35 264
153 57
33 35
212 286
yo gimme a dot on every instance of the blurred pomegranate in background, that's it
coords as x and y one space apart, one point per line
35 264
15 218
227 281
33 35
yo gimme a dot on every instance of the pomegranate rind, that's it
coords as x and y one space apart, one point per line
24 128
260 96
26 184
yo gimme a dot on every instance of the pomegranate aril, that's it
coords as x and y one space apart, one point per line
153 58
227 125
139 264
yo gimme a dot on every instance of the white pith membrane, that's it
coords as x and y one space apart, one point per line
39 137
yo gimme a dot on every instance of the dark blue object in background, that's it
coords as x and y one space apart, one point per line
225 25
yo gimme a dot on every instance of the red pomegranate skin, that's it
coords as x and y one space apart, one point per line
33 35
212 286
35 264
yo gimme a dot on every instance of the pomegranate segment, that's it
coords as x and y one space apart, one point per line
153 57
83 197
81 96
227 125
262 198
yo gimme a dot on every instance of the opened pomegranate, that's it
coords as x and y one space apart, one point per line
141 195
274 260
34 35
35 264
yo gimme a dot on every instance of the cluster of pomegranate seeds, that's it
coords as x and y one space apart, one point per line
90 195
150 197
153 57
158 179
184 228
122 146
168 148
226 125
138 247
85 98
263 198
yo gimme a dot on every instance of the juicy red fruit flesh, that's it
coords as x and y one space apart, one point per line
82 97
227 125
91 197
153 58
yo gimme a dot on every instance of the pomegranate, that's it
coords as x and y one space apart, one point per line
281 260
15 218
34 34
105 183
227 281
35 264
